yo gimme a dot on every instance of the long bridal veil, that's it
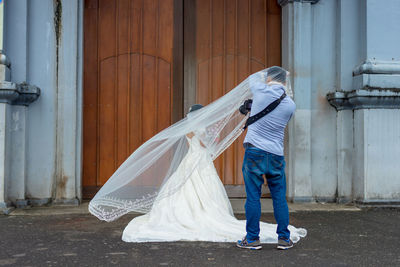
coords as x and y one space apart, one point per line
136 184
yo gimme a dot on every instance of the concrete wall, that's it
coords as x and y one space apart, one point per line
343 46
376 130
323 116
43 41
41 119
348 55
382 29
345 154
309 52
377 143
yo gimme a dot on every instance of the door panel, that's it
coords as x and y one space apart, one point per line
128 81
232 40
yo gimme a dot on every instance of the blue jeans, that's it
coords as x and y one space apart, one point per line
257 163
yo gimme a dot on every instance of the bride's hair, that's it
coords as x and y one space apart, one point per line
195 107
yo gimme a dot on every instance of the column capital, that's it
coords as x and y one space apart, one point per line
285 2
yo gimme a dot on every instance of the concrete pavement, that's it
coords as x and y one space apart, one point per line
335 238
237 205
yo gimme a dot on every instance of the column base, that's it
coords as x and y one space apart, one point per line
21 203
39 201
301 199
6 208
378 203
66 202
344 200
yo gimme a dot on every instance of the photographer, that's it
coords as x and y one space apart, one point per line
270 111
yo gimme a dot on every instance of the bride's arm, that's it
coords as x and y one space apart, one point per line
190 135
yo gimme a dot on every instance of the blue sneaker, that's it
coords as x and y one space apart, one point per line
244 243
284 243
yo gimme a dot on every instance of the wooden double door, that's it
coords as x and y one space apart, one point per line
147 61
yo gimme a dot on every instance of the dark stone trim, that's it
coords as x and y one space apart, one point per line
301 199
18 94
21 203
6 208
8 92
283 3
344 200
39 201
66 202
365 99
378 203
323 200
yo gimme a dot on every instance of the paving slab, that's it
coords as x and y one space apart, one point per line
335 238
237 205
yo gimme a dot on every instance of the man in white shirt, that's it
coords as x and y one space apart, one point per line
264 156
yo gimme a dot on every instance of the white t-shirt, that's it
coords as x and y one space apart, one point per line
268 132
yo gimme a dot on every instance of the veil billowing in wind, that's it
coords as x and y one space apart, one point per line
136 184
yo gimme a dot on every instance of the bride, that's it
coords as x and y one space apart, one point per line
199 211
172 179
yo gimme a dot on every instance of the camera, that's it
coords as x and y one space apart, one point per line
246 106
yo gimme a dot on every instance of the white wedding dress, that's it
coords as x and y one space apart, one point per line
199 210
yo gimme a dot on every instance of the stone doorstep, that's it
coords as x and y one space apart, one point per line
237 205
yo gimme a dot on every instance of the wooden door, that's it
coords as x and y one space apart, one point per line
140 54
225 41
132 76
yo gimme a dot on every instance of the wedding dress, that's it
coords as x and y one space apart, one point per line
172 179
198 211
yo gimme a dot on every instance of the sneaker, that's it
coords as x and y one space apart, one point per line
244 243
284 244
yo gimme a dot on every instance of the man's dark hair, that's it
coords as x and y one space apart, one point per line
277 74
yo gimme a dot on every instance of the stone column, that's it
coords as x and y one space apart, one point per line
69 101
347 56
15 96
9 95
15 42
375 102
296 57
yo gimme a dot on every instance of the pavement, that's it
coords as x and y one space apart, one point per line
237 206
338 235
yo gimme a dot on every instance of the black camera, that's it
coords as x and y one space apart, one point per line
246 106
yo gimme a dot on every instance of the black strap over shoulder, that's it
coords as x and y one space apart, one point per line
264 112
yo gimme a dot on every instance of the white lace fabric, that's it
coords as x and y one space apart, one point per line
141 180
198 211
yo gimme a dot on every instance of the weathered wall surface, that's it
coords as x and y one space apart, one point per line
323 116
377 133
42 40
41 116
309 52
348 47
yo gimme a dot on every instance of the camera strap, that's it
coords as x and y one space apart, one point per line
264 112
